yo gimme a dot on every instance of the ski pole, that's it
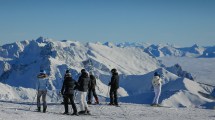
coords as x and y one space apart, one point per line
118 96
33 101
59 95
108 92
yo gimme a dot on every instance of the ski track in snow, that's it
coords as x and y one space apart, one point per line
16 111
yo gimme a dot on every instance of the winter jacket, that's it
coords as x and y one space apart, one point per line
92 83
68 85
156 81
43 82
114 83
83 82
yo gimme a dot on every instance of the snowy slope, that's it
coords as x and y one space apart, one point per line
21 94
125 60
202 69
23 60
20 111
176 91
16 94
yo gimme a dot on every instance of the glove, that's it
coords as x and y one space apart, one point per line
109 84
60 93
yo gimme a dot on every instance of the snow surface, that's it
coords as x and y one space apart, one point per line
20 111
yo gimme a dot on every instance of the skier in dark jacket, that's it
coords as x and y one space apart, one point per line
114 84
91 89
68 92
83 82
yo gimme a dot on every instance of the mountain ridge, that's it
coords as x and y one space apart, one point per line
21 62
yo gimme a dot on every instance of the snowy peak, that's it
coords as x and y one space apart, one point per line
153 50
28 57
136 64
170 50
177 70
195 46
109 44
41 39
209 52
128 44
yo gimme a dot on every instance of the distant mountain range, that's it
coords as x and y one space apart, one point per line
170 50
135 62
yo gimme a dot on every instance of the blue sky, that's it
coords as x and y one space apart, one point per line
179 22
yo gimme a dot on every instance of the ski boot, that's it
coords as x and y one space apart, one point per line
110 104
75 113
97 101
86 112
38 109
89 102
44 109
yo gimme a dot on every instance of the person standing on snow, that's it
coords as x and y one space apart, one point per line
91 89
42 86
114 84
83 82
156 83
67 91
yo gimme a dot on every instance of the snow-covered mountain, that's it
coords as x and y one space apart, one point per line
136 63
21 61
171 50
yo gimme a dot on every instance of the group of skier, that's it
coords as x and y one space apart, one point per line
86 86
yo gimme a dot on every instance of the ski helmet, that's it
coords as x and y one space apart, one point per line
156 74
42 72
67 71
113 70
92 77
83 70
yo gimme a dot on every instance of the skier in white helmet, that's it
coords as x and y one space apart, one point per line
157 83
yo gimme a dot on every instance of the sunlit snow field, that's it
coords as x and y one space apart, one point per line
16 111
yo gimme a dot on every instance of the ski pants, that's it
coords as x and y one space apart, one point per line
90 91
157 90
41 93
82 100
113 96
66 99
